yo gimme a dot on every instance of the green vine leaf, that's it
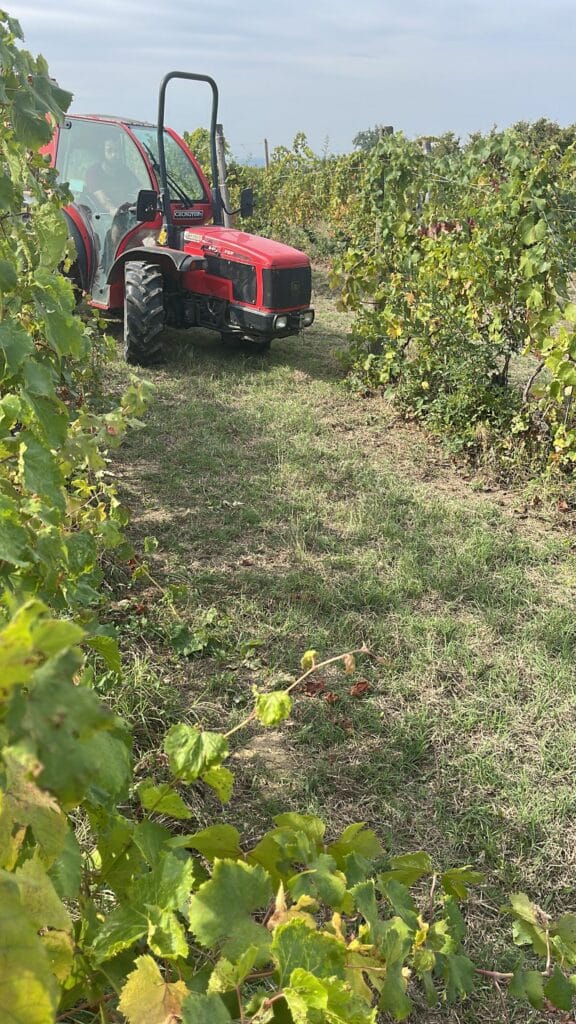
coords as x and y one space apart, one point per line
17 650
220 911
221 780
152 840
167 885
166 935
39 897
559 991
52 636
202 1009
122 928
14 543
530 923
528 986
162 799
364 895
41 476
396 941
28 805
408 868
192 752
73 738
273 708
307 824
458 973
107 648
217 841
297 946
455 882
356 839
28 991
402 902
323 880
227 976
15 344
305 993
309 998
66 870
563 932
393 997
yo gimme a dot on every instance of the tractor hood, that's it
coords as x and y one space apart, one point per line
240 247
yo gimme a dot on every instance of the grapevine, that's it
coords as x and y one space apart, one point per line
468 267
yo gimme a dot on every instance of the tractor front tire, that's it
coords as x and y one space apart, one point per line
144 315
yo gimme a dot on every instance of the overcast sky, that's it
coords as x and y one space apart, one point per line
326 67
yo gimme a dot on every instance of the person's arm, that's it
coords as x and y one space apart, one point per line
103 200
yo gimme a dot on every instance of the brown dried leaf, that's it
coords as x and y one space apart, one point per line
330 697
359 688
312 687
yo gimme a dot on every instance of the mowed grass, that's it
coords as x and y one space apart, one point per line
306 517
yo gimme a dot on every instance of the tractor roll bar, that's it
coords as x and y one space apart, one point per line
165 194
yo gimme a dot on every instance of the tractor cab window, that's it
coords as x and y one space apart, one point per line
105 171
101 163
183 180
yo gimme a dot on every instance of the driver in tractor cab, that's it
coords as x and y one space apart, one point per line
111 183
114 187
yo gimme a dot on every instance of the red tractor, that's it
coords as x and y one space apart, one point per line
140 222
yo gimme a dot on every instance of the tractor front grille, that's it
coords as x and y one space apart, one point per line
242 276
287 288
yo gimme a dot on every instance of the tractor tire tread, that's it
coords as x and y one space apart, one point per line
144 315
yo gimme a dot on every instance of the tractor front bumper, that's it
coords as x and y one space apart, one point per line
268 325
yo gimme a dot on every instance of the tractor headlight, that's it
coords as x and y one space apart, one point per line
280 322
308 318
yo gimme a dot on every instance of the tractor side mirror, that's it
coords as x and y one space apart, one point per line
146 204
247 202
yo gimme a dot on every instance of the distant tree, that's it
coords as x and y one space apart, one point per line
443 145
368 138
238 176
542 134
199 142
538 135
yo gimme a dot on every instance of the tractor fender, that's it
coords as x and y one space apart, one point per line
170 261
85 244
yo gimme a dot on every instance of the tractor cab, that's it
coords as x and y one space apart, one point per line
107 163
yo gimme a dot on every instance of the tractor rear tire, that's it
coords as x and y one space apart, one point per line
144 315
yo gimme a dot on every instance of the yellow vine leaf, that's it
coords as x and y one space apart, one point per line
308 660
349 664
283 913
147 999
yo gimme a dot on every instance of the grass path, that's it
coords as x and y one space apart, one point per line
298 516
